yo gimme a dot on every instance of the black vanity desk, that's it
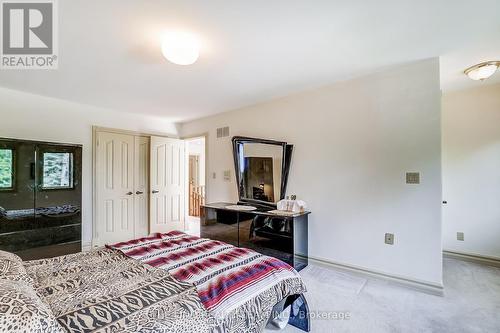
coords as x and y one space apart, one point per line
282 236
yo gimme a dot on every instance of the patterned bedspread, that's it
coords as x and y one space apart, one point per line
104 291
238 286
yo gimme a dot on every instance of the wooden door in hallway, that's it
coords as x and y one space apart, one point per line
194 170
196 191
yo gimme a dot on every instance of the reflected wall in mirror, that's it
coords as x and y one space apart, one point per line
261 169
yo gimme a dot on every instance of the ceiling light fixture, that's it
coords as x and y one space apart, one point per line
482 71
181 48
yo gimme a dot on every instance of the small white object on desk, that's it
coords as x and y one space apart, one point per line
296 206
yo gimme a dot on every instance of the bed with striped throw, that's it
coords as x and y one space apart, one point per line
239 287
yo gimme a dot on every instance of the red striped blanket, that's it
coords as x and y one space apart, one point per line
225 276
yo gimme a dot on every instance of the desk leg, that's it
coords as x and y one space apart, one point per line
302 318
238 226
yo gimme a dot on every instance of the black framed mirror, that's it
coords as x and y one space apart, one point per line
261 167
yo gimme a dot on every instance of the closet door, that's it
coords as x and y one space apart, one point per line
141 185
115 187
167 184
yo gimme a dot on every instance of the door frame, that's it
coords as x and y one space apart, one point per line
206 136
95 130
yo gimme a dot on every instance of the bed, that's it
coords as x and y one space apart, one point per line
170 282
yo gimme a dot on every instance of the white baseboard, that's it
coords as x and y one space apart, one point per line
423 286
86 246
472 257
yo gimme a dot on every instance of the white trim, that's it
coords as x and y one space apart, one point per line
472 257
419 285
86 246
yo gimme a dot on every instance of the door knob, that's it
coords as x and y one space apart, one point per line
139 192
154 191
129 193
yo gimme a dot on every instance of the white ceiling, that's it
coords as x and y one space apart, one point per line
109 51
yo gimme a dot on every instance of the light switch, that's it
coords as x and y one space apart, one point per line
214 175
227 175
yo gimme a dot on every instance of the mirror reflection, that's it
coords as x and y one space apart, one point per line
260 168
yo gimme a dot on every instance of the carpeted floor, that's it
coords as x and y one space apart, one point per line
471 302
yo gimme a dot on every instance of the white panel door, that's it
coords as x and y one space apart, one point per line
141 185
167 184
115 186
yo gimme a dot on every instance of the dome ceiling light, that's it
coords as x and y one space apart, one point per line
180 48
482 71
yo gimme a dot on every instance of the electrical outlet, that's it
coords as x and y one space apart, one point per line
389 239
214 175
460 236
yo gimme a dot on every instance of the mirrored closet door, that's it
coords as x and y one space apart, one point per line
40 198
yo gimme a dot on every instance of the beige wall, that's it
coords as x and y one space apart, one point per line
471 170
354 141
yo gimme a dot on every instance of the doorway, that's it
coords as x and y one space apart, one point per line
196 190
